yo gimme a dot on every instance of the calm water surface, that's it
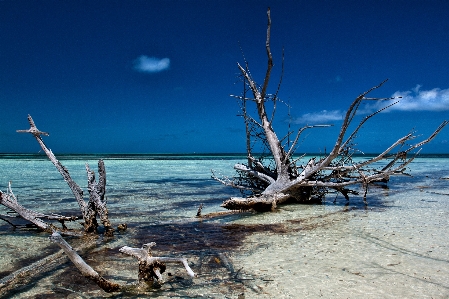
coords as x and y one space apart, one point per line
396 245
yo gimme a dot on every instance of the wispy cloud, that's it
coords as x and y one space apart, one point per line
436 99
322 117
151 64
422 100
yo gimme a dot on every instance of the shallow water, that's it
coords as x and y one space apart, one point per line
394 246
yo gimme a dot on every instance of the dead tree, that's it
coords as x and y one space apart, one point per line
277 177
97 201
149 267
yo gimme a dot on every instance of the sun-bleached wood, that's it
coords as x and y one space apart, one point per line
83 267
288 179
152 267
149 267
9 200
97 202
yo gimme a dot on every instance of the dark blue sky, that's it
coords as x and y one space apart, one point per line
155 76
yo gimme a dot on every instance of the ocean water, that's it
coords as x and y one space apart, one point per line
396 245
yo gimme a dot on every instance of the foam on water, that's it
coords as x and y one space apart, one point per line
395 246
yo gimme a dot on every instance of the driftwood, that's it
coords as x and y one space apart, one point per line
275 176
9 200
24 275
97 202
84 268
151 267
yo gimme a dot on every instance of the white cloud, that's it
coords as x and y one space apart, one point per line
422 100
322 117
436 99
151 64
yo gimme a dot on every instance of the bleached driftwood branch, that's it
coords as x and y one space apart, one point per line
151 267
97 202
84 268
9 200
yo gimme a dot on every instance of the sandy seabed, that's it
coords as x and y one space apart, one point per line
391 253
394 246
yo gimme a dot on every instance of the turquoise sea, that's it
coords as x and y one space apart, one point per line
396 245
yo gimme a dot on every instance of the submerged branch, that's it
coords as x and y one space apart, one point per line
84 268
9 200
151 267
9 282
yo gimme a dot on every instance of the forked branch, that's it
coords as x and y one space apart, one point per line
284 177
97 202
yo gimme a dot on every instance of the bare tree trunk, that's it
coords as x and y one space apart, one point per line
97 195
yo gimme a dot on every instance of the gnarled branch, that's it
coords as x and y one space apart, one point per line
286 178
97 203
151 267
